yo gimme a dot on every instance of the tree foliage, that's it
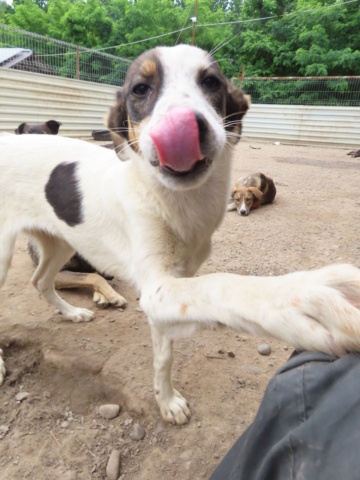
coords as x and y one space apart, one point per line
268 37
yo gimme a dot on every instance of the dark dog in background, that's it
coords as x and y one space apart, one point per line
51 127
354 153
251 192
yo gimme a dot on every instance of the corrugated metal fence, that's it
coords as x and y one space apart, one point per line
81 107
30 97
328 126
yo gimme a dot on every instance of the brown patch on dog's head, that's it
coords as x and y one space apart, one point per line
148 68
135 100
117 120
237 104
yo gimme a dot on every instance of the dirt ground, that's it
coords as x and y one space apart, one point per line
68 370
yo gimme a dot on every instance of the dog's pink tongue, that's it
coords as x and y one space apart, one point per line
176 139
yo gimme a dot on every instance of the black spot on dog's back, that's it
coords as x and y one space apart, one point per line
63 193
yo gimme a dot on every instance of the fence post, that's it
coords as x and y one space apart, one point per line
77 64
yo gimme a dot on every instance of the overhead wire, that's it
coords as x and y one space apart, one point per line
219 24
186 19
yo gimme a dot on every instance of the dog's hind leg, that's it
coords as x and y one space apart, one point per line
2 368
7 243
54 252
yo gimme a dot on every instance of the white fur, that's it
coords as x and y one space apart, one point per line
142 226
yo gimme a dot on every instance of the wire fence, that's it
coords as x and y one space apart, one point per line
326 91
35 53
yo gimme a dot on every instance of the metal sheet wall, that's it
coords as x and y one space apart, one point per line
30 97
330 126
81 107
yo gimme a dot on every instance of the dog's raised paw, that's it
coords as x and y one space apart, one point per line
2 368
174 409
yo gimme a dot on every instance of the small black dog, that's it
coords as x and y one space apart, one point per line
51 127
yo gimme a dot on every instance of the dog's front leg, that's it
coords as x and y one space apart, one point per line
231 207
316 310
172 404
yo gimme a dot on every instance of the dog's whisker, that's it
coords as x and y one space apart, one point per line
217 47
232 123
124 147
123 129
235 114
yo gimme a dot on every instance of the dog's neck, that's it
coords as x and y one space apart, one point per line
198 211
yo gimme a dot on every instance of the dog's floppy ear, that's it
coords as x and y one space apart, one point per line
237 104
233 191
20 129
53 126
117 121
255 191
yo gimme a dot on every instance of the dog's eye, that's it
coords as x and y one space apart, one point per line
211 83
141 89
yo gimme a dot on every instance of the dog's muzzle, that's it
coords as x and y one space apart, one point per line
177 138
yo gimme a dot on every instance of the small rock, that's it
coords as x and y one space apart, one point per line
251 369
137 433
113 465
264 349
109 411
64 424
70 475
128 422
19 397
3 430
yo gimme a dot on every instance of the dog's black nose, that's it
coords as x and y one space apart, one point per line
202 125
243 212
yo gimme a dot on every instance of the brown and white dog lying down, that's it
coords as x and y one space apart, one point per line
78 273
150 220
251 192
51 127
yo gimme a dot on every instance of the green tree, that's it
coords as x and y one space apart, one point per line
27 15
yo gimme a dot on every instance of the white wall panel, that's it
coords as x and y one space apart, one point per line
30 97
334 126
81 107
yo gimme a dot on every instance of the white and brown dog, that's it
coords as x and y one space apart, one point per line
251 192
77 272
177 117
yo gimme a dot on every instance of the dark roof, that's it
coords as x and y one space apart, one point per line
23 59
